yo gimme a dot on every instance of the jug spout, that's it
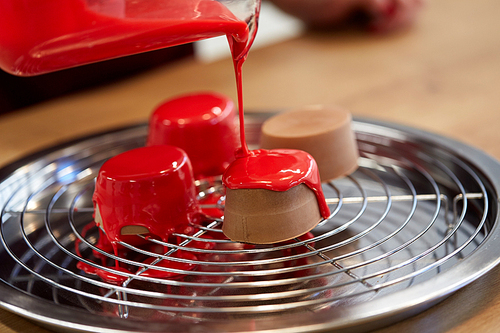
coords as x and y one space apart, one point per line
247 11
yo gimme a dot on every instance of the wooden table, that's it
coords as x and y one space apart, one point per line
443 76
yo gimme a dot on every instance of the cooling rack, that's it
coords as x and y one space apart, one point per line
417 221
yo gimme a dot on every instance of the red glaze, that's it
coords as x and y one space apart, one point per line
203 125
114 277
238 64
155 273
117 267
110 277
212 200
152 187
276 170
47 35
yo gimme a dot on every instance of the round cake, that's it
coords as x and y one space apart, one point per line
272 196
203 125
323 132
147 190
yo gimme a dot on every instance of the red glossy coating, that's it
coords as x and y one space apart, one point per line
152 187
47 35
203 124
276 170
115 276
171 264
110 277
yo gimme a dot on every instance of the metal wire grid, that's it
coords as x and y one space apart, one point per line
405 216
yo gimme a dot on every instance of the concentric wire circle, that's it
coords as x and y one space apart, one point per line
412 225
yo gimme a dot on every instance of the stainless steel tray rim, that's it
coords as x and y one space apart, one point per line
375 312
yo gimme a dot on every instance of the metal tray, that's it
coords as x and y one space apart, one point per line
417 221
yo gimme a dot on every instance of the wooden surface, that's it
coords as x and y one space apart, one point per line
443 75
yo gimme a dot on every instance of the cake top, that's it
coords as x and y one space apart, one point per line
193 108
143 163
277 169
306 122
